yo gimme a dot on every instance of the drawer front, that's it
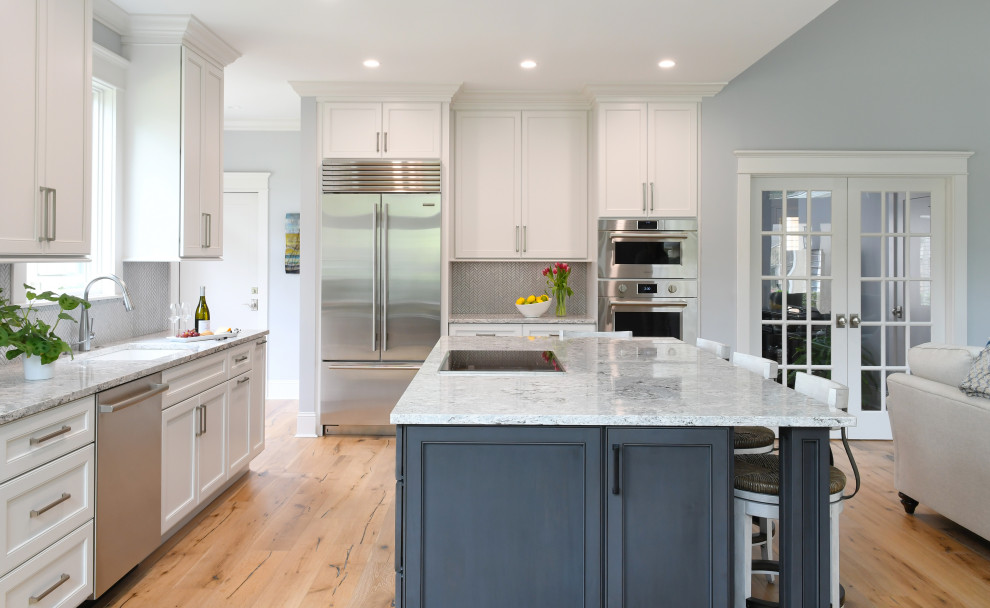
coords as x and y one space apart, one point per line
44 505
192 378
482 329
60 576
240 359
31 442
553 329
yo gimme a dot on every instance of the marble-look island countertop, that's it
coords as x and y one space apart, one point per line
547 317
620 382
87 374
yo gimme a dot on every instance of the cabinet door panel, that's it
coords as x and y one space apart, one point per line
622 159
193 236
352 130
180 423
487 185
68 119
673 168
238 422
411 130
211 168
555 184
503 517
258 399
212 446
658 543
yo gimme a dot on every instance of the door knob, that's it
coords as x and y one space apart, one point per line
840 321
854 320
897 312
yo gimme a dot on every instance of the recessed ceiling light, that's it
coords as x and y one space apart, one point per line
667 64
528 64
371 63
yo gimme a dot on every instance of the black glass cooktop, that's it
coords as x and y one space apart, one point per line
499 361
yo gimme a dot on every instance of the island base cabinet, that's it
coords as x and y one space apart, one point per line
499 516
668 517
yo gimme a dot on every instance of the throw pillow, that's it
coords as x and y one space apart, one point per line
977 382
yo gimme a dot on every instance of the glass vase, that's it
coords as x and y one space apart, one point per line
560 301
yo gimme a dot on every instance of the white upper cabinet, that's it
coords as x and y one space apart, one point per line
520 184
45 151
381 130
647 159
173 186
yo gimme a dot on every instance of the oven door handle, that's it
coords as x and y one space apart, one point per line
652 237
661 303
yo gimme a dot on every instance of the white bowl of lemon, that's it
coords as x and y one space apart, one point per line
533 306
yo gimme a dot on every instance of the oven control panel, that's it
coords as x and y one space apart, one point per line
648 289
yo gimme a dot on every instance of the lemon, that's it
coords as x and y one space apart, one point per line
531 300
521 301
544 298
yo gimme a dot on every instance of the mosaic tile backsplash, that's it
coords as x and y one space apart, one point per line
492 287
148 286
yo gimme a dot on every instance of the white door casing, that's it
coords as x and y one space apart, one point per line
946 279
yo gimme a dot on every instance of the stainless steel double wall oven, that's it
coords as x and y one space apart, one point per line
648 277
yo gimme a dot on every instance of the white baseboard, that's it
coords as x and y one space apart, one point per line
283 389
306 424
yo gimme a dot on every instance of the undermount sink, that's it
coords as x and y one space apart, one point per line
137 354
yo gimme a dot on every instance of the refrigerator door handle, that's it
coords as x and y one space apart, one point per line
374 280
384 266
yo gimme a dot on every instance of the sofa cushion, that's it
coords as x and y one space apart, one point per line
945 363
977 382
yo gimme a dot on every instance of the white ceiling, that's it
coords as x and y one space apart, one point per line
480 43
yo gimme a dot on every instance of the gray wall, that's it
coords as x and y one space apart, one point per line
876 75
276 152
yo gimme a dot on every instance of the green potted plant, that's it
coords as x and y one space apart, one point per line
24 333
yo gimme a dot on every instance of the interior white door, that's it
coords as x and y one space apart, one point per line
237 285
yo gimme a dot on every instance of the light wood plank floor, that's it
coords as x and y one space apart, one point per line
312 524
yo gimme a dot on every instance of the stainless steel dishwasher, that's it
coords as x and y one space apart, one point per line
128 478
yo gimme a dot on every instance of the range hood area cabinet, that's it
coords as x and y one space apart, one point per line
45 173
173 182
647 159
381 130
521 184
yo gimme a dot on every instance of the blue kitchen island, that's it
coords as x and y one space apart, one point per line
594 472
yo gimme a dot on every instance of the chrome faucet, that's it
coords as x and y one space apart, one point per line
85 325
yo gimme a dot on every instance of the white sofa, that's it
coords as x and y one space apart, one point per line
941 436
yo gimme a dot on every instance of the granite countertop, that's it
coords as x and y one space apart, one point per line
518 318
85 375
622 382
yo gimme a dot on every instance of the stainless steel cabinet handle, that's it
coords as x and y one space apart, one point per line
524 239
378 141
840 321
486 335
109 408
244 379
386 142
385 275
517 239
644 197
854 320
65 496
209 230
34 599
260 342
43 236
199 420
617 471
204 419
651 197
241 358
62 431
203 230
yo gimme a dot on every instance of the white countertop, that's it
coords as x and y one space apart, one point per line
82 376
630 382
547 317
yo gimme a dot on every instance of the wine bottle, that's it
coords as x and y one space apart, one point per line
202 312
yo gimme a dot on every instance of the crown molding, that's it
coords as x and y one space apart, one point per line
374 91
180 29
272 124
101 53
112 16
685 91
520 100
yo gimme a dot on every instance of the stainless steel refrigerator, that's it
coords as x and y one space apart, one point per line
380 313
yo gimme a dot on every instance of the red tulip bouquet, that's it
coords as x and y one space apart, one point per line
557 283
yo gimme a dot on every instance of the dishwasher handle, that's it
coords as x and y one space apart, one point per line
109 408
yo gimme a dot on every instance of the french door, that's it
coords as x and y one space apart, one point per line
850 277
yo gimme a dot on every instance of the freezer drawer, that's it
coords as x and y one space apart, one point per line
357 399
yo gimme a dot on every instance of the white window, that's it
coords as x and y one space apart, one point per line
72 277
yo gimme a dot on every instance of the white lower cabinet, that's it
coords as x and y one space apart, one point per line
193 462
515 329
257 422
61 576
239 422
